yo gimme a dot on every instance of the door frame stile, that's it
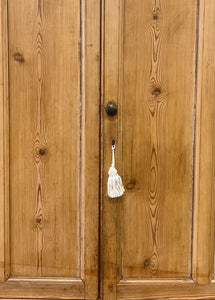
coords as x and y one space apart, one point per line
4 145
90 144
204 214
111 127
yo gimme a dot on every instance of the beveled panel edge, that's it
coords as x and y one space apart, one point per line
46 280
158 281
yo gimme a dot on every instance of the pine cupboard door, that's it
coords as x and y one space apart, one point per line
158 67
49 147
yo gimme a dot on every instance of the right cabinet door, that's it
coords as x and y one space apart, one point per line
158 67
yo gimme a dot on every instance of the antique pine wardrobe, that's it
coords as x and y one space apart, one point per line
66 67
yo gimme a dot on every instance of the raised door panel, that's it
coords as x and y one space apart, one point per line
152 61
50 103
158 83
44 91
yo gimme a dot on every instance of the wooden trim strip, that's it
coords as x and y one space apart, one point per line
28 290
4 146
1 148
90 145
165 291
111 128
203 223
154 281
46 280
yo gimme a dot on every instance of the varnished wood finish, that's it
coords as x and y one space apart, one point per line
90 146
54 65
150 54
46 290
2 157
4 142
158 67
160 291
44 110
203 239
111 129
157 156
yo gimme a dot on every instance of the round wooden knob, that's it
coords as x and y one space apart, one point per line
111 109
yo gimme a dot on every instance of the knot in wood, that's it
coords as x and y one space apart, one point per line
18 57
38 220
130 185
42 151
156 92
147 262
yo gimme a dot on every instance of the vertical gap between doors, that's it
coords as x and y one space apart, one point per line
101 3
80 137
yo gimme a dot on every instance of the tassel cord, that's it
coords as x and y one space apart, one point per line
113 156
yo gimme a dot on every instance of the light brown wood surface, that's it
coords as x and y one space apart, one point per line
161 291
44 137
52 57
157 134
152 64
4 142
204 215
61 63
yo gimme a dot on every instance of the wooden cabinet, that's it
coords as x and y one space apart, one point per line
62 62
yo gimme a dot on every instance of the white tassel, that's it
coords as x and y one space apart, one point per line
115 186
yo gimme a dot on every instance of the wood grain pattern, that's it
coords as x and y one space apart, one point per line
4 146
149 54
149 72
203 238
90 157
47 97
161 291
61 185
111 129
157 155
39 143
54 55
155 104
40 290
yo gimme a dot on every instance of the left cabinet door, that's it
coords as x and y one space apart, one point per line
49 147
